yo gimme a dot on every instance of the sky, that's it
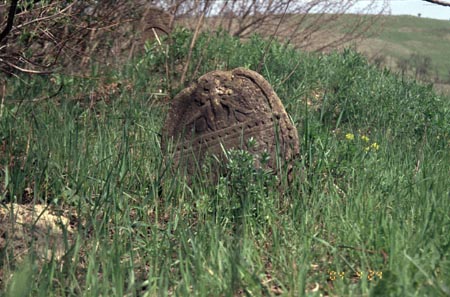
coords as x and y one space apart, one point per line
414 7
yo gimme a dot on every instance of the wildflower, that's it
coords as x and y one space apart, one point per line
365 138
374 146
349 136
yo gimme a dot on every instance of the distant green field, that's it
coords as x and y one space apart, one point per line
391 41
402 36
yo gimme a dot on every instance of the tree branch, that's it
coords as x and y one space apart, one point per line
439 2
10 21
23 69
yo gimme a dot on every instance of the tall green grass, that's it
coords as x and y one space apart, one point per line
370 191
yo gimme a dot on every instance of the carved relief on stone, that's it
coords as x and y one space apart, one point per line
224 110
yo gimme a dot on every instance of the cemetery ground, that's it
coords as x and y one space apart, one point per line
367 212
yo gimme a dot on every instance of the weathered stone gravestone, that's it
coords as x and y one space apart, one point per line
225 110
154 18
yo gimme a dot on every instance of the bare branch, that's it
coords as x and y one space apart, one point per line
10 21
438 2
194 39
76 31
261 62
54 16
304 24
23 69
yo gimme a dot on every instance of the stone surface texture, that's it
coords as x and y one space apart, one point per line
224 110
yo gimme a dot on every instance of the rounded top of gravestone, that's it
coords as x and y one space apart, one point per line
226 110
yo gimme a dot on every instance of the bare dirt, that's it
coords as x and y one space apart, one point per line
23 227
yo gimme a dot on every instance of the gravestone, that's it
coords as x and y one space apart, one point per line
225 110
156 19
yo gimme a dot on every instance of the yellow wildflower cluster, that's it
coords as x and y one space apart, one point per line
374 146
371 275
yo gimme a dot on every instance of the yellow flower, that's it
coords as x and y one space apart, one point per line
349 136
365 138
374 146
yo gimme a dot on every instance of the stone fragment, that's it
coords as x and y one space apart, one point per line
225 110
22 226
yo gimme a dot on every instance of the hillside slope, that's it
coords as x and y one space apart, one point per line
407 41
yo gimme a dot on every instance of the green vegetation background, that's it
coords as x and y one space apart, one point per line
418 47
370 191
